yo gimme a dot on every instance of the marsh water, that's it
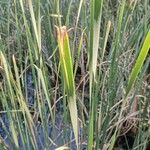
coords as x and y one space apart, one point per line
55 132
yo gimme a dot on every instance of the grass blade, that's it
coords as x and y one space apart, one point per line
96 12
67 71
139 62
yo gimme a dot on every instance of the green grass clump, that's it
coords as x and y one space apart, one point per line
75 72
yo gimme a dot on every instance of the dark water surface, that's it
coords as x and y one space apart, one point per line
56 133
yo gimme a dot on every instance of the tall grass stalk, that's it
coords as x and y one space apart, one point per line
139 62
95 22
67 71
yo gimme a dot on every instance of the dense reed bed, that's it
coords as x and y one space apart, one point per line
74 74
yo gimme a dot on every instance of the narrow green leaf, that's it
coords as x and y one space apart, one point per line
67 71
139 62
